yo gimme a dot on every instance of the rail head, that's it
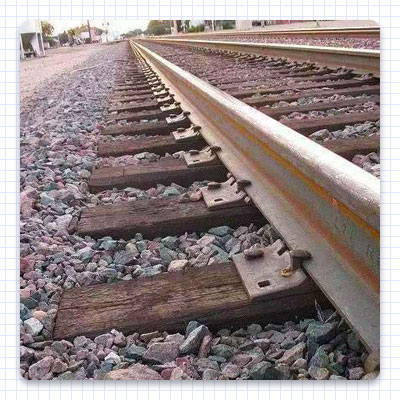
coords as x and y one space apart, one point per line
317 200
360 60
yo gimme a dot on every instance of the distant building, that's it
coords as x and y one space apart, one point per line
110 36
242 25
93 35
31 39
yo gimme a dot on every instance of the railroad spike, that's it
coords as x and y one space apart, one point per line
296 259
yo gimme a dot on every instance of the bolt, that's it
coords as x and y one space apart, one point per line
214 149
296 258
247 200
242 183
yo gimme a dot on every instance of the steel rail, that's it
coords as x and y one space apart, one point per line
317 200
360 60
353 32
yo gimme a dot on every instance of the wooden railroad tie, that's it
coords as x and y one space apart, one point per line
215 295
149 128
352 91
309 126
277 112
157 144
347 83
159 217
165 172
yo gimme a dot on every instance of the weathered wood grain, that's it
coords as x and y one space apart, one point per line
352 91
139 116
158 217
165 172
213 295
277 112
308 126
301 78
145 128
132 95
135 107
347 83
348 148
158 145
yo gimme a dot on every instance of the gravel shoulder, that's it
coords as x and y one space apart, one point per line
39 72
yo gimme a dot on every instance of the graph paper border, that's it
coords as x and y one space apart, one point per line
14 12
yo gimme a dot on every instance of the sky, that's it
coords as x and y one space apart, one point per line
122 26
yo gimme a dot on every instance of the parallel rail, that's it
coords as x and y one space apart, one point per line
360 60
348 32
315 199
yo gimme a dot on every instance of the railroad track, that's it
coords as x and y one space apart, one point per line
316 101
359 60
323 209
349 32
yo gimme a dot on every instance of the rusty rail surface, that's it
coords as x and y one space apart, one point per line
348 32
360 60
315 199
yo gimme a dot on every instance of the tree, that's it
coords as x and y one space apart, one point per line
197 28
158 27
47 28
63 37
135 32
228 24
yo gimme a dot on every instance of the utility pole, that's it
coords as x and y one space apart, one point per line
90 33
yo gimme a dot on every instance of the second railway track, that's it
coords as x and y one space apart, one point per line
322 210
335 107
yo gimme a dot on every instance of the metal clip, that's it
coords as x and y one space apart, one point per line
165 99
173 118
260 269
206 156
174 107
296 259
226 194
160 93
157 88
188 134
153 79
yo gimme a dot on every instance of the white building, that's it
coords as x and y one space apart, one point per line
110 36
31 39
243 25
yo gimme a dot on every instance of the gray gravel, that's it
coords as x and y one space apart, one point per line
305 350
355 43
